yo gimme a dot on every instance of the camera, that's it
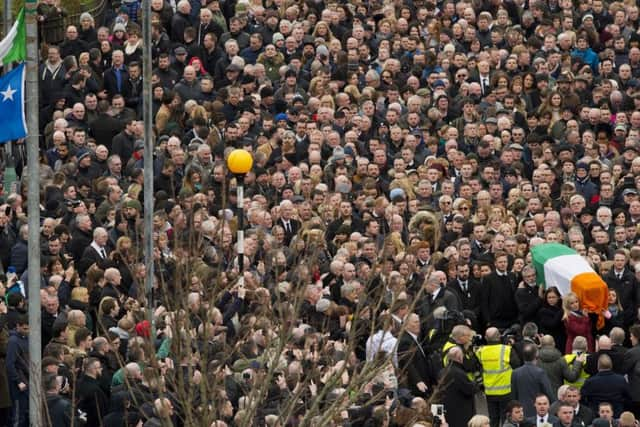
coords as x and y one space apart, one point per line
437 411
477 340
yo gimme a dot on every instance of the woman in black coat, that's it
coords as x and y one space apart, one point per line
549 318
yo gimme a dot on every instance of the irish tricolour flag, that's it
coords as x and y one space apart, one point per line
560 266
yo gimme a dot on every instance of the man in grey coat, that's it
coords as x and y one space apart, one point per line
529 380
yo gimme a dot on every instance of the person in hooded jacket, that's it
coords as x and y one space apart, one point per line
554 364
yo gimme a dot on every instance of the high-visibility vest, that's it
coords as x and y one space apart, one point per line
583 375
496 369
445 359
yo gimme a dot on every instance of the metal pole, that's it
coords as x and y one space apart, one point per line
7 23
147 112
33 165
240 197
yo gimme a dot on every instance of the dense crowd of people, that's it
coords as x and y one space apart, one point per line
406 157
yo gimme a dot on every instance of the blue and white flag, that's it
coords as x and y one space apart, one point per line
13 124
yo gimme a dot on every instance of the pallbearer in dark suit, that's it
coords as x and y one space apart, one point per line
412 359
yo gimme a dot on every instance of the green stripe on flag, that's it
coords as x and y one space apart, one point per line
13 47
18 51
540 254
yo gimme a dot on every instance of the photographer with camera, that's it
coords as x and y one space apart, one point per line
462 337
497 360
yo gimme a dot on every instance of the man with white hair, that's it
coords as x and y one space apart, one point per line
96 252
287 222
180 21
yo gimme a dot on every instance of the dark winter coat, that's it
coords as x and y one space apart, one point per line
17 358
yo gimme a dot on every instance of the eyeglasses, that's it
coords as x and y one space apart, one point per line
464 208
445 203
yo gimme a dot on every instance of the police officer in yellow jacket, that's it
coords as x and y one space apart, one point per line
461 336
497 362
578 352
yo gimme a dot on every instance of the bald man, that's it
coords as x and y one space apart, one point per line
605 346
458 394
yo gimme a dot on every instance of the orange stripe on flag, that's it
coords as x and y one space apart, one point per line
592 292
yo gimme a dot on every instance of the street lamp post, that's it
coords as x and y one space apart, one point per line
239 163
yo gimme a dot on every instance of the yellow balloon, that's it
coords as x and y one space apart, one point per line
239 161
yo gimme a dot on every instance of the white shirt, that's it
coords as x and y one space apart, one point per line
382 341
544 419
99 249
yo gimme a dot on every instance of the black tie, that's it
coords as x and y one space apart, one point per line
541 420
102 253
288 227
464 286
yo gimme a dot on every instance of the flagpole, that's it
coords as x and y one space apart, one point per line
8 22
33 209
9 164
147 113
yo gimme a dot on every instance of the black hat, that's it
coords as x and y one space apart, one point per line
247 79
564 147
585 211
563 78
260 171
266 92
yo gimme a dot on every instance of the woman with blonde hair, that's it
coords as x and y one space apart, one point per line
134 191
316 87
393 245
479 421
463 207
327 101
576 322
353 92
322 31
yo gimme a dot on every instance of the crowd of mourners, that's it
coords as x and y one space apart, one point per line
406 156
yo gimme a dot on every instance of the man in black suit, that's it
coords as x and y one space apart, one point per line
412 359
498 304
583 415
566 416
435 295
95 252
477 246
542 415
465 288
92 398
346 217
623 280
286 221
116 76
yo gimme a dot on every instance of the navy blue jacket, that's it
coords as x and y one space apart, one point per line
606 386
17 358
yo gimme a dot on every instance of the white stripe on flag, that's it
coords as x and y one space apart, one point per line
7 43
559 271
